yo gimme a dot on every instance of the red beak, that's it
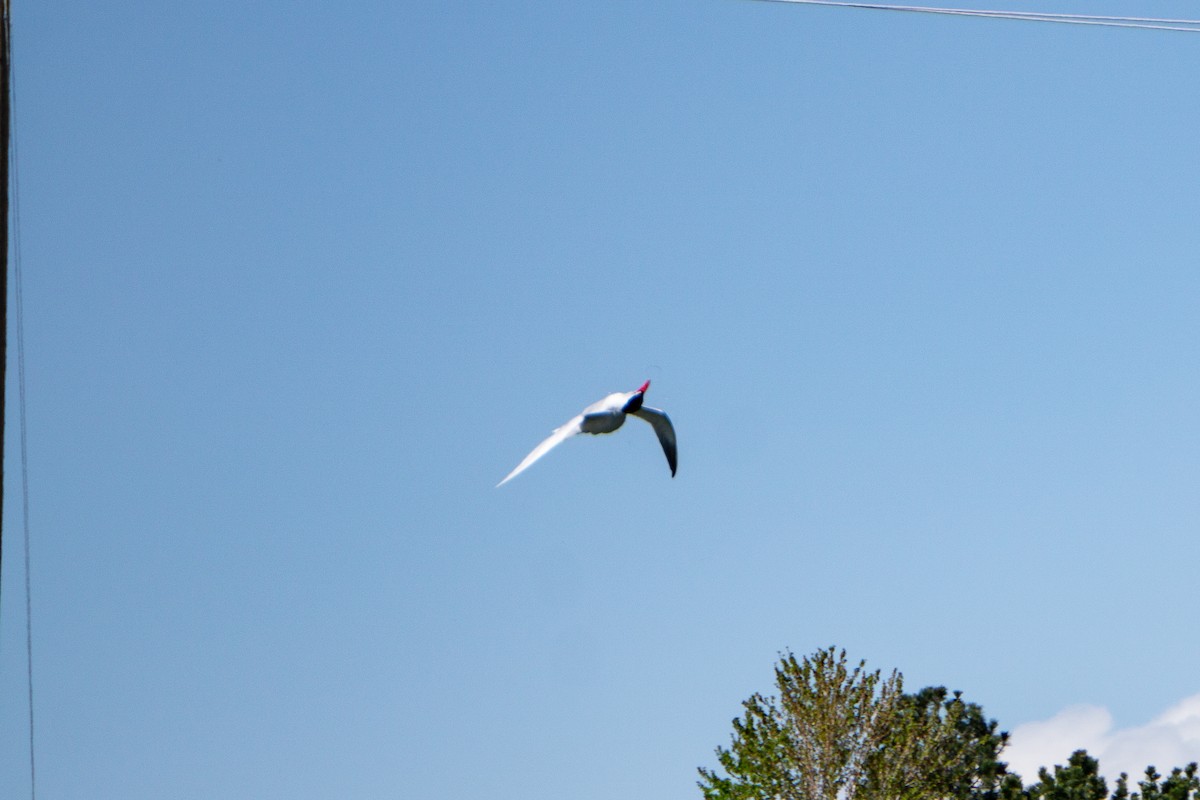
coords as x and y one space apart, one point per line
644 387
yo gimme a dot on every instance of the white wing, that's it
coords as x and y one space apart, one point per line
664 429
560 435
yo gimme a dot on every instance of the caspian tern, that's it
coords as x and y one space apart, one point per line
605 417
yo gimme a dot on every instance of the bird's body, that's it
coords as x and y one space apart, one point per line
606 416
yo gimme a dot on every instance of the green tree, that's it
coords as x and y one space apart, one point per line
1078 780
837 732
813 741
1181 784
944 746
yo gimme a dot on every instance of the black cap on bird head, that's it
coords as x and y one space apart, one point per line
635 402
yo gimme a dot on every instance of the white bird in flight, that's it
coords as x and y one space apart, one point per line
606 416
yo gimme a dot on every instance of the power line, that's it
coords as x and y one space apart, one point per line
11 161
1144 23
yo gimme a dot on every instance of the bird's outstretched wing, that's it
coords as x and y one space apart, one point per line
664 429
560 435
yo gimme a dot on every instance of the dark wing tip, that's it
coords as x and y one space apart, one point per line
665 432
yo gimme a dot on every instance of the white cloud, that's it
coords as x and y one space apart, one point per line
1170 740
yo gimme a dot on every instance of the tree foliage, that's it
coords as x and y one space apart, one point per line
1080 780
1181 784
944 746
837 732
811 742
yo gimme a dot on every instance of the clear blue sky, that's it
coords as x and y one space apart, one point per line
305 280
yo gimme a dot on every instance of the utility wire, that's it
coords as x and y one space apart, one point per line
1145 23
19 303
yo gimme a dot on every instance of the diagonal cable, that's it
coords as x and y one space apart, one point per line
1145 23
19 305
